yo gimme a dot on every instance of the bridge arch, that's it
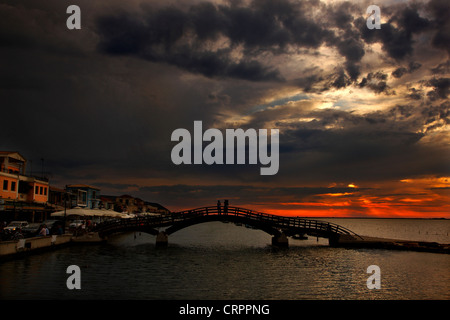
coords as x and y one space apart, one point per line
278 226
223 218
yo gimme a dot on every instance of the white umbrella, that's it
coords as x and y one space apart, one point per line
126 216
77 211
115 214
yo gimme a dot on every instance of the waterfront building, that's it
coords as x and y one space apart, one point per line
22 195
107 202
154 207
59 199
85 196
30 197
127 203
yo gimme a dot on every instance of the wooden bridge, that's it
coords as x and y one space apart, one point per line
280 227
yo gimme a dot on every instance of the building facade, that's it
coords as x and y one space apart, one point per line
20 193
129 204
85 196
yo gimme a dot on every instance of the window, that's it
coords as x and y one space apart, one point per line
45 191
13 186
41 191
5 185
36 190
82 198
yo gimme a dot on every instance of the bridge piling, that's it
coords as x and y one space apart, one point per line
280 240
162 239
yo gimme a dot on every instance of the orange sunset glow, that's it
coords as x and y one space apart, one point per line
408 198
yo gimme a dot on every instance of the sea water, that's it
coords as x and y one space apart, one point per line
222 261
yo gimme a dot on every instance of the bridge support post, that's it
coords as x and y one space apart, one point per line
333 240
162 239
280 240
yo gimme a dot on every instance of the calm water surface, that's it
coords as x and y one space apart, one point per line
222 261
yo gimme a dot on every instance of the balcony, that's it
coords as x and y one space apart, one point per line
30 178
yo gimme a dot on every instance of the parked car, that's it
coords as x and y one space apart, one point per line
13 225
31 230
75 224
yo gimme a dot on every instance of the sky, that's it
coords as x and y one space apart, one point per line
363 114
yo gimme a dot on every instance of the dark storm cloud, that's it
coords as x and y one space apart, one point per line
440 11
437 114
76 111
415 94
158 36
441 68
308 83
396 35
413 66
192 39
441 88
182 38
399 72
376 81
341 80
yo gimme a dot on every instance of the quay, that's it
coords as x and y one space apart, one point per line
13 248
350 241
21 247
